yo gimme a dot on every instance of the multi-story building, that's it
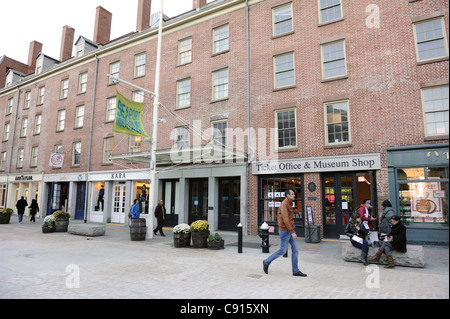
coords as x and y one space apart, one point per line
341 100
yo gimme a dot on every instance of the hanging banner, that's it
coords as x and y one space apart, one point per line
129 117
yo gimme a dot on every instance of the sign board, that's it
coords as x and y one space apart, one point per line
56 160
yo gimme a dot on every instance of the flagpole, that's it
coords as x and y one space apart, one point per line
153 187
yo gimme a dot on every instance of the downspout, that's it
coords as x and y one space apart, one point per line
250 148
86 197
12 146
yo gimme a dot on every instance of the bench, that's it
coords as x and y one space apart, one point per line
414 257
87 230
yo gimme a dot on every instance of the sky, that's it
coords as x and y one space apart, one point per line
24 21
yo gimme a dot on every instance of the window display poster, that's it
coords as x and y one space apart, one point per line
426 199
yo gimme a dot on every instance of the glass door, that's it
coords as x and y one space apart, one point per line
229 203
119 199
198 199
171 201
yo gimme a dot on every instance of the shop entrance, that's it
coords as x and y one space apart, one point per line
119 201
171 199
342 195
198 199
57 197
229 203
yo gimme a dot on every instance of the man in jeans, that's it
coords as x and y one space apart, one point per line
285 218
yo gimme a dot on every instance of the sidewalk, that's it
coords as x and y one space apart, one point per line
60 265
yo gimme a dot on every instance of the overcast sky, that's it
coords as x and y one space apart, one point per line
24 21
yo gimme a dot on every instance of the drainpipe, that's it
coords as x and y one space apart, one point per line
249 144
86 197
12 146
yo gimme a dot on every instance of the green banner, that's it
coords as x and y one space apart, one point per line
129 117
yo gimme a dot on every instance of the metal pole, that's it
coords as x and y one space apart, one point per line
153 186
239 238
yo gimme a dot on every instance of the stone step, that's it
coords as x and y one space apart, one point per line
87 230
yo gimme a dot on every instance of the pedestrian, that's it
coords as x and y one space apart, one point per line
357 232
160 214
285 219
21 204
386 218
34 209
363 211
396 240
135 210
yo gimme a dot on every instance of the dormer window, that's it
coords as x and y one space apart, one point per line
80 49
39 64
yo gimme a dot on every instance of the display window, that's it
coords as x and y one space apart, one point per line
423 195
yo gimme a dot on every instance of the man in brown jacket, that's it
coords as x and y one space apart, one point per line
285 218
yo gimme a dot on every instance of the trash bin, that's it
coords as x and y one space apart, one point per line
312 234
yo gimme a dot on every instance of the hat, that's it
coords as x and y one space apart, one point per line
397 218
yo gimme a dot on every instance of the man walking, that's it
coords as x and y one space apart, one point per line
285 218
21 204
160 214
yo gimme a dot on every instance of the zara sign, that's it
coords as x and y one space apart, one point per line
356 162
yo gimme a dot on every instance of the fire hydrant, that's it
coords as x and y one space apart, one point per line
264 234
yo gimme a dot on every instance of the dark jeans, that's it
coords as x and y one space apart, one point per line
32 219
159 226
364 246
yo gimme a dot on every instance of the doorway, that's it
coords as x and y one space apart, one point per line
229 203
119 203
171 200
198 199
79 206
57 197
342 195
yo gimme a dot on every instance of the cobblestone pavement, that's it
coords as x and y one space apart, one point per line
60 265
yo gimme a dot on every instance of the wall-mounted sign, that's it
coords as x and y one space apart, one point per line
56 160
354 162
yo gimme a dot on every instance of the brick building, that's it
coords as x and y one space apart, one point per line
341 100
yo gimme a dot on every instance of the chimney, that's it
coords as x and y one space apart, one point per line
199 3
34 50
102 30
66 43
143 15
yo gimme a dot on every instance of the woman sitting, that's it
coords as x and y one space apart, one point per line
357 232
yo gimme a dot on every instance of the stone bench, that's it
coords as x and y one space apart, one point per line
87 230
414 257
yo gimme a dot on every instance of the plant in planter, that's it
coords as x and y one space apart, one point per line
199 232
5 215
49 224
61 220
181 235
215 242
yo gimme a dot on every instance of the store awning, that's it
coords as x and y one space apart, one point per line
187 155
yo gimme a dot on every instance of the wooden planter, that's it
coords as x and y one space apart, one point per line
61 225
199 239
216 245
181 240
4 218
138 229
47 230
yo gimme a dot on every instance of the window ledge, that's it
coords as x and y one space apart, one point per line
342 77
330 22
432 60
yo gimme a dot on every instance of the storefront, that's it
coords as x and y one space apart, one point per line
330 187
419 189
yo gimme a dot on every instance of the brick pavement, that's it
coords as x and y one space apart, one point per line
36 265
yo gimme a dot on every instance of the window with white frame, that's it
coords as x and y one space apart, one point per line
2 161
110 109
282 19
64 89
431 42
20 156
138 96
80 49
6 132
182 136
61 120
34 156
76 153
221 39
285 123
82 82
333 60
79 116
114 69
219 133
184 93
337 123
139 64
37 124
436 109
185 51
108 146
41 92
284 70
39 65
220 84
329 10
58 148
27 102
10 106
23 129
135 144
